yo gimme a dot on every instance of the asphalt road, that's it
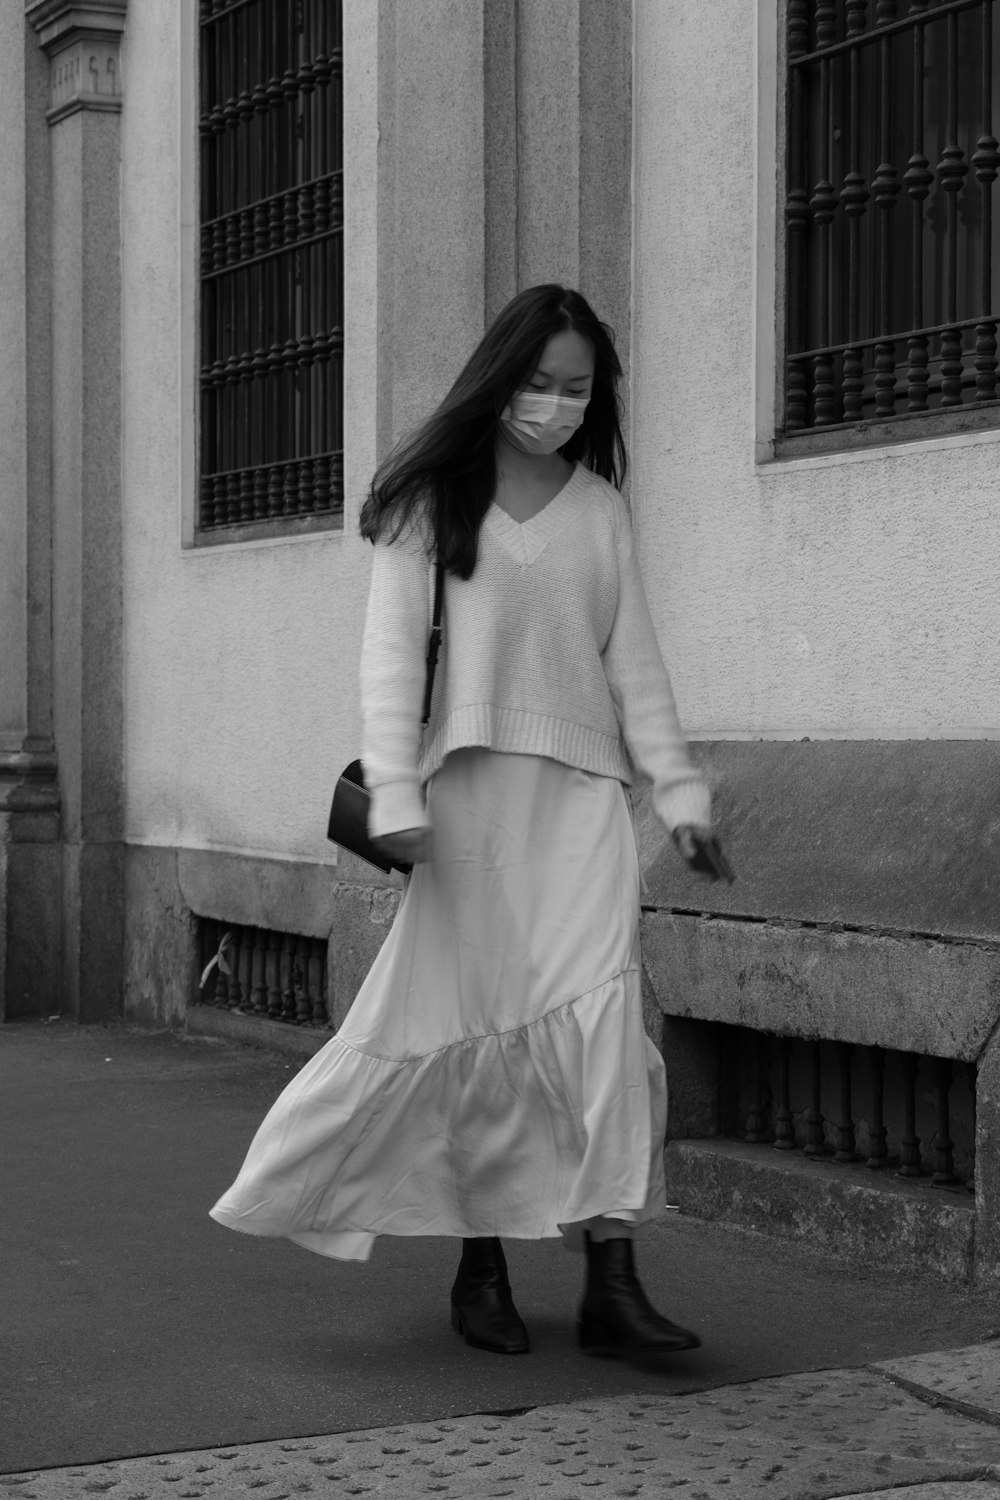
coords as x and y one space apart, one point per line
133 1324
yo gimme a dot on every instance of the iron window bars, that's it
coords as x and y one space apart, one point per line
891 162
271 129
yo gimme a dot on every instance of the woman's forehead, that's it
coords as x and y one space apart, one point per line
567 355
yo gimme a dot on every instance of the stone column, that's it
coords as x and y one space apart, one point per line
82 43
29 798
430 203
605 175
505 159
558 145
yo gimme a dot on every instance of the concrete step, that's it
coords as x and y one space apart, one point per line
278 1037
870 1218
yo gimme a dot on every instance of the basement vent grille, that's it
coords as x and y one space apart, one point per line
902 1112
278 976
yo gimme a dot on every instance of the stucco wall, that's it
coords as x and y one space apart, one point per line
240 661
849 596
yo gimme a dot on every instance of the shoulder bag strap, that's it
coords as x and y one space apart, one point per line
434 641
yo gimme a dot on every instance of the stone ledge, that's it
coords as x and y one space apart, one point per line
843 986
876 1220
282 894
301 1042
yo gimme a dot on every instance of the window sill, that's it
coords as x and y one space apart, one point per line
268 531
907 428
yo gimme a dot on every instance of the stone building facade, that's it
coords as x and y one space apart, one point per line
175 706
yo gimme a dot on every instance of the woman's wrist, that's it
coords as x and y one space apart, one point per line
395 807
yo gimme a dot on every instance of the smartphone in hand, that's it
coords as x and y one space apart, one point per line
708 858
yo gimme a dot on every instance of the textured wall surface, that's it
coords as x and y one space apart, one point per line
240 661
851 596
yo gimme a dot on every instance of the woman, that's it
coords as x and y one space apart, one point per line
493 1076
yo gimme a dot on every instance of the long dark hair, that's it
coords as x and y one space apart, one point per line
445 472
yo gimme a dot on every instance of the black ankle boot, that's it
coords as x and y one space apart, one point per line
616 1316
482 1307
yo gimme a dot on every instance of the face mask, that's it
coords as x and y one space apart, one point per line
539 423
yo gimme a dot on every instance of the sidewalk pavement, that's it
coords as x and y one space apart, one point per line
923 1428
133 1325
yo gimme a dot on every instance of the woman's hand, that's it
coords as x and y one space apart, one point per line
411 845
703 852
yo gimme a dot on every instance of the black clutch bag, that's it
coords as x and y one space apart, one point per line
348 822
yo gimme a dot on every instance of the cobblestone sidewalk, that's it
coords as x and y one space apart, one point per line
925 1428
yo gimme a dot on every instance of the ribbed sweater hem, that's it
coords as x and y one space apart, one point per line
516 731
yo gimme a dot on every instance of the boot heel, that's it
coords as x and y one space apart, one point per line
594 1338
456 1319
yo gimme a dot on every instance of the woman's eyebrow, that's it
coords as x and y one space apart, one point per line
541 374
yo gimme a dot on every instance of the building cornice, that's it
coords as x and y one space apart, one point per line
57 19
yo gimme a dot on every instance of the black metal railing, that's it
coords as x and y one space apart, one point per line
279 976
271 260
891 165
883 1109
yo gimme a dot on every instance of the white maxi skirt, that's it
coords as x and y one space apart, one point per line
493 1076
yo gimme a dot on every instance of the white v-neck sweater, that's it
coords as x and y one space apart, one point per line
548 649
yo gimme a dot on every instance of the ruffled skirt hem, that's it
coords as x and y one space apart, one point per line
357 1244
474 1139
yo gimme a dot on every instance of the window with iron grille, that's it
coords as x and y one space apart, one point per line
891 160
271 423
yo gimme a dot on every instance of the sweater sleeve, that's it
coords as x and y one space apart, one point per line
393 672
643 698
